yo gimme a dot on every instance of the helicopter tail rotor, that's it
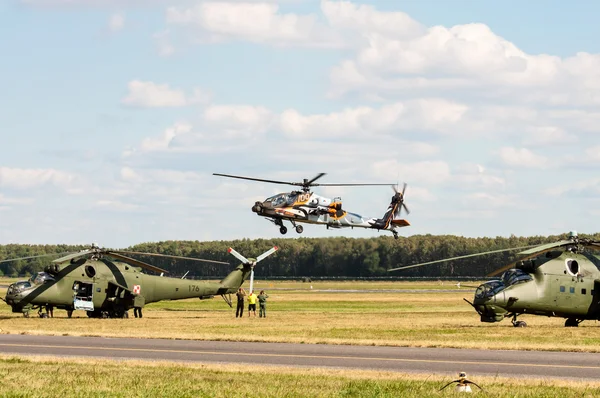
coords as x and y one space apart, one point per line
399 198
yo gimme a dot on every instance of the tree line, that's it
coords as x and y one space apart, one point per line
310 257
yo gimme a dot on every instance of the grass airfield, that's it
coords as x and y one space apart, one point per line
418 314
412 314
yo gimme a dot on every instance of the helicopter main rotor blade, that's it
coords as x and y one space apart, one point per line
308 183
258 179
72 256
458 258
170 256
30 257
541 248
345 185
267 253
133 261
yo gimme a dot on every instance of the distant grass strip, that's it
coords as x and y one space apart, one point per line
50 377
409 319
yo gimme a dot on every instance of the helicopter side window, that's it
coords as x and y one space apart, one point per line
572 266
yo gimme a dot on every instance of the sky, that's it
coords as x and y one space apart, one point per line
115 113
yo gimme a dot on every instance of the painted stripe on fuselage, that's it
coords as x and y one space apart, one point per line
116 272
61 274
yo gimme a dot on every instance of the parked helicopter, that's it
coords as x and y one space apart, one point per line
106 284
307 207
560 279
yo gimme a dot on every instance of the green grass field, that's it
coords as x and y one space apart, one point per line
51 377
422 314
364 314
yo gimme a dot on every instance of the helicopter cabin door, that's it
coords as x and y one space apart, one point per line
83 296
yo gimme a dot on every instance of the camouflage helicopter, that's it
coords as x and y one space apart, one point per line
106 283
560 279
304 206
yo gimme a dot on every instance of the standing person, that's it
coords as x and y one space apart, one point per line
262 304
252 303
50 310
137 312
239 311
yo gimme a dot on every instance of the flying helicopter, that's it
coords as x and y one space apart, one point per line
560 279
107 283
304 206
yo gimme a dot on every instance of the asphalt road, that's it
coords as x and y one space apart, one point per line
422 360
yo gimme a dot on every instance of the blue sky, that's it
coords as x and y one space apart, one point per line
115 114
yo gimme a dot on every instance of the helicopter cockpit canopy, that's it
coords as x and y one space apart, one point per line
282 199
515 276
489 289
509 278
41 278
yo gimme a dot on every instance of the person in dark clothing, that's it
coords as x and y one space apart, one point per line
262 303
137 312
241 293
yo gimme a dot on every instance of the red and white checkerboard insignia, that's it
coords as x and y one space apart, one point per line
136 289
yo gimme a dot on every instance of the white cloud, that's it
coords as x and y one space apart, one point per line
433 114
152 95
488 201
425 172
365 18
239 120
164 44
522 157
6 200
255 22
116 205
116 22
30 178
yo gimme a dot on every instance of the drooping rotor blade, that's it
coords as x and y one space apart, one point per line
237 255
267 253
170 256
73 256
30 257
459 257
258 179
133 261
541 248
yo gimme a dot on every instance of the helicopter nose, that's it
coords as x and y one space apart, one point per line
257 208
13 295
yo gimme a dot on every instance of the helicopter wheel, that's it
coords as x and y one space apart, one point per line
520 324
571 323
283 230
299 228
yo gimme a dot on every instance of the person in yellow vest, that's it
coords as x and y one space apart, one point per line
252 303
